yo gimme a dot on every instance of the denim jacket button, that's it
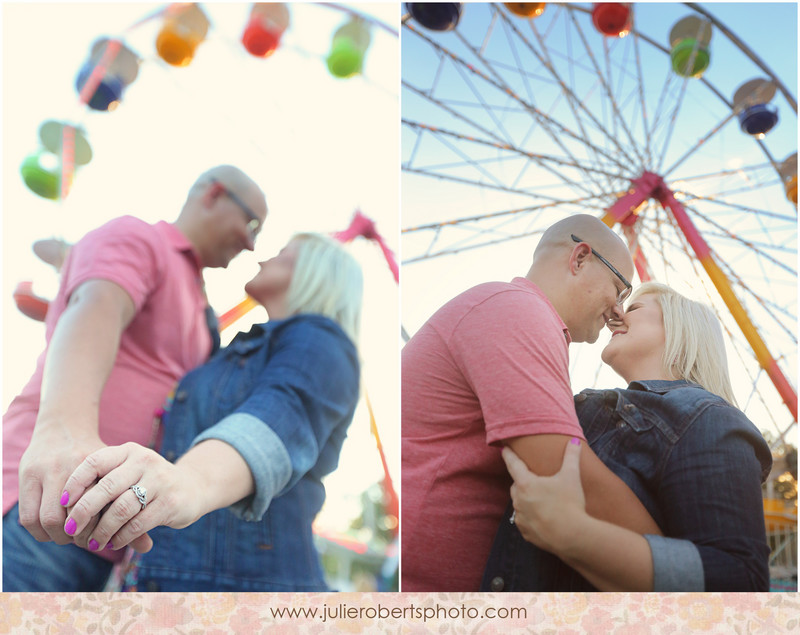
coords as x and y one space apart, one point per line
580 398
620 424
181 395
629 407
497 584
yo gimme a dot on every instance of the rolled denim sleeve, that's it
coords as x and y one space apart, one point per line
265 455
710 496
295 418
677 565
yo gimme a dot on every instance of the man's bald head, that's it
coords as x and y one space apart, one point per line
230 176
216 216
580 287
590 230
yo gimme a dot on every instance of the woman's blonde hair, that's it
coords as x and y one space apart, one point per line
327 281
694 349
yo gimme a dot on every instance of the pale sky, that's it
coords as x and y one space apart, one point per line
320 147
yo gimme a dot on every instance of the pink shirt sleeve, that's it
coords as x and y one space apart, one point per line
512 350
125 251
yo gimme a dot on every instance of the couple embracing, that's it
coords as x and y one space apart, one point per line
651 487
245 439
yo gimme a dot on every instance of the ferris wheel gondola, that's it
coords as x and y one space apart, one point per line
512 122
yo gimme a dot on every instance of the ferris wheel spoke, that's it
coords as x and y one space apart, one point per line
642 101
451 111
467 160
458 65
489 111
697 145
755 248
465 181
582 203
724 172
540 159
548 113
549 124
478 217
510 30
670 127
616 114
769 308
544 59
790 98
490 67
669 244
458 250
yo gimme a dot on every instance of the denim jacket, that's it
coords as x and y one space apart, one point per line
283 395
697 465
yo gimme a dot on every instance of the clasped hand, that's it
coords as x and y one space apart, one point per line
548 508
103 510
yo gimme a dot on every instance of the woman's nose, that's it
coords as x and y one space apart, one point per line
616 317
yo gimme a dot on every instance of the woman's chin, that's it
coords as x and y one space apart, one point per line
611 360
248 288
607 353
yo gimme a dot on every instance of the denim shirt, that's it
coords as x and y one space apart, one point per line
695 462
283 395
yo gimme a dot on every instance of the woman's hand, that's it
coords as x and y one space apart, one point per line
548 510
170 496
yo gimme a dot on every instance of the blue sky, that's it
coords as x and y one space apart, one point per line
743 213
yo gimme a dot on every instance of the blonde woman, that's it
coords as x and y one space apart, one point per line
676 438
253 430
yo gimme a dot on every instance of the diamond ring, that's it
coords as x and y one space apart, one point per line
141 494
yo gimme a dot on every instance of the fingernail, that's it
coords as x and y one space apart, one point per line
575 441
93 545
70 527
64 498
109 547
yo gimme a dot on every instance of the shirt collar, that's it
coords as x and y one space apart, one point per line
524 282
660 385
178 241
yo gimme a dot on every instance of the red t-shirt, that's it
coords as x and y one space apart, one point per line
490 365
159 269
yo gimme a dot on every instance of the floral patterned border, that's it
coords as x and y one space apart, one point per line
212 613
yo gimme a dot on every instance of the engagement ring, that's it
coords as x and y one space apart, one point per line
141 494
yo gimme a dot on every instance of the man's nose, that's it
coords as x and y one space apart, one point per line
615 317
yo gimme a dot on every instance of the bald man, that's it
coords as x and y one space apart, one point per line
129 320
491 368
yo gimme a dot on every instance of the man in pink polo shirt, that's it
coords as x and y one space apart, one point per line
491 368
129 320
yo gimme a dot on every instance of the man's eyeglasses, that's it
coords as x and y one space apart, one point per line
622 295
253 221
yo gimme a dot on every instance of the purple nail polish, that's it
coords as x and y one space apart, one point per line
575 441
109 547
70 527
93 545
64 499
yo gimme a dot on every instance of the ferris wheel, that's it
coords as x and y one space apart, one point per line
117 108
656 118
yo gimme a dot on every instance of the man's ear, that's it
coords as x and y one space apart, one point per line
579 257
212 193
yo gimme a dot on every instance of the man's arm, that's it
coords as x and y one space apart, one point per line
79 360
552 515
607 496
